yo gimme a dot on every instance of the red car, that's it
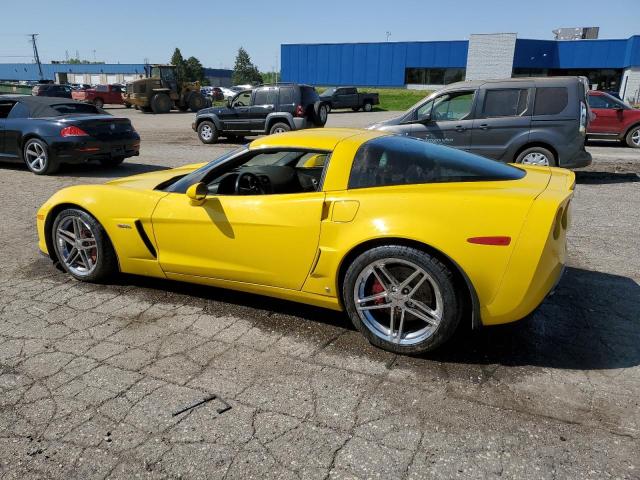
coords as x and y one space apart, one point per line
614 119
99 96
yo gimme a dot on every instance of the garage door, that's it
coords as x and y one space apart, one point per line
95 79
112 79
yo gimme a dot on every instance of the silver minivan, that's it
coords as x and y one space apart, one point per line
539 121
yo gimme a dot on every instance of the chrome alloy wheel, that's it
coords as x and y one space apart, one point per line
76 245
279 130
36 156
398 301
206 132
535 158
635 138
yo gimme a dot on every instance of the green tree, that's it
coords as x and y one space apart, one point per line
178 60
244 71
194 70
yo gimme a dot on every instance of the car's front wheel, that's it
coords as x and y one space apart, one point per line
207 132
401 299
82 246
633 137
36 156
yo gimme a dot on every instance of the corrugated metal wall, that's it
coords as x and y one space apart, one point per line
29 71
366 64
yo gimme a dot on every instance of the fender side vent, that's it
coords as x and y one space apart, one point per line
145 238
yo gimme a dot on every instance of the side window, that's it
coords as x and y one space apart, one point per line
242 100
5 108
396 160
286 96
550 100
350 91
19 110
452 106
102 88
425 110
510 102
341 91
598 101
265 96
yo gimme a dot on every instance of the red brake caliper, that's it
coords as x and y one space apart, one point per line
375 289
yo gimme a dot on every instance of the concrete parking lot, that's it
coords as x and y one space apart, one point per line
91 375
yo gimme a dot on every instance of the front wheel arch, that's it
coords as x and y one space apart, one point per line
48 224
469 297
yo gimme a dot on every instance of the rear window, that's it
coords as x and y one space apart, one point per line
396 160
72 108
550 100
510 102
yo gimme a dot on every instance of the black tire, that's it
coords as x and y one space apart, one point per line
632 138
111 162
328 108
279 127
367 107
207 132
320 114
106 262
98 102
36 156
439 274
183 108
160 103
356 109
127 105
196 102
536 152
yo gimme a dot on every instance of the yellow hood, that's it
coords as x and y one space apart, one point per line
148 181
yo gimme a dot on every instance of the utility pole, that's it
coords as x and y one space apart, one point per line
388 35
36 57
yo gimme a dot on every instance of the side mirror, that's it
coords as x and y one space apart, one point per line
197 193
228 103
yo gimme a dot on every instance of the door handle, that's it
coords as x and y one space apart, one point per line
460 128
484 126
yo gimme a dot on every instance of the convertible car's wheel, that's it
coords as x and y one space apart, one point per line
536 156
36 156
82 246
401 299
207 132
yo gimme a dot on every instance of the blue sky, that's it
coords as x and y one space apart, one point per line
126 32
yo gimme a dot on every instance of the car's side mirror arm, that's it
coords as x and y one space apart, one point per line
197 193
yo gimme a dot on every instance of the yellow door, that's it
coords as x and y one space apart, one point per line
263 239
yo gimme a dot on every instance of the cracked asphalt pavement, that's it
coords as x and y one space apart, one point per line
91 375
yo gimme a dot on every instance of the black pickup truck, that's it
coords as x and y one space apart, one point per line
348 97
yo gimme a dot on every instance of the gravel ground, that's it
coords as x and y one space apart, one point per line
90 376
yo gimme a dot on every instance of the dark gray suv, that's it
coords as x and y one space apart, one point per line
540 121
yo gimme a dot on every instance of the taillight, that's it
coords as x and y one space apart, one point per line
73 131
299 111
584 114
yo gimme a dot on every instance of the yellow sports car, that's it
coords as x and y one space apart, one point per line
408 237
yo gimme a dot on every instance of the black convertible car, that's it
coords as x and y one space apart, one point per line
45 132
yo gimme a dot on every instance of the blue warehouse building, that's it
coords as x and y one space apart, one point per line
609 64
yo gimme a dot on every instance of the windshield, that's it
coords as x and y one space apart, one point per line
328 92
181 183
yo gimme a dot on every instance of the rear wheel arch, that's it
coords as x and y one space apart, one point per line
277 119
48 224
470 302
536 144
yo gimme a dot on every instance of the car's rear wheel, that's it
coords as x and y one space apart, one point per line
368 106
82 246
633 137
161 103
36 156
207 132
279 127
536 156
98 102
112 161
401 299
